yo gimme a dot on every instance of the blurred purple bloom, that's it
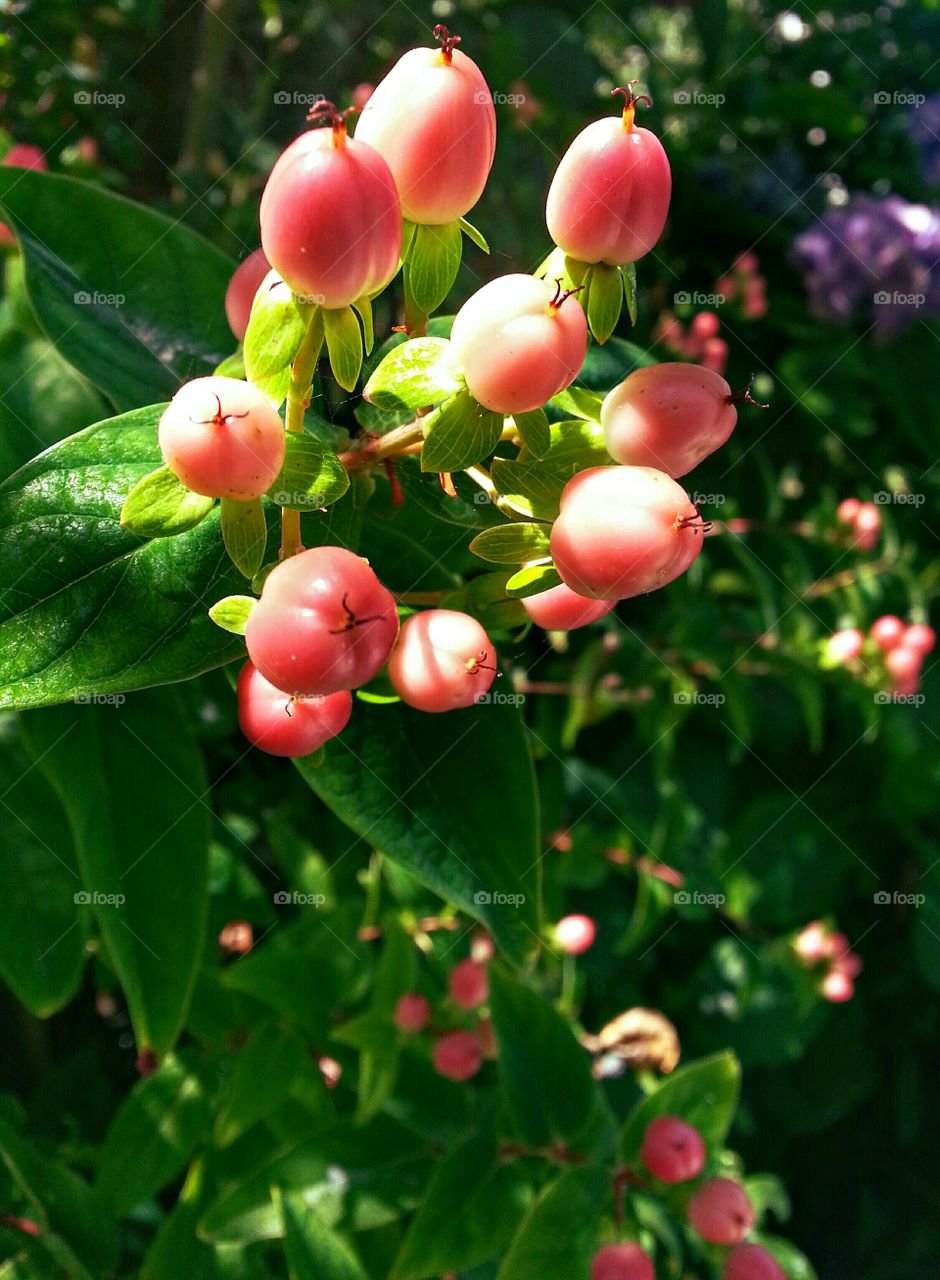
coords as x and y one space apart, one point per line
924 127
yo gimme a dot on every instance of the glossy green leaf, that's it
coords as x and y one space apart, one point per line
312 476
703 1093
534 487
459 434
414 375
275 331
512 543
433 262
531 580
363 309
261 1079
605 301
344 345
177 1251
160 506
580 402
628 280
313 1250
232 613
472 233
558 1236
245 534
534 432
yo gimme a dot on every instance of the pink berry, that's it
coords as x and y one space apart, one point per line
23 155
324 622
837 987
747 263
705 325
481 947
220 437
902 663
283 725
848 964
412 1013
714 355
432 121
610 194
668 416
520 341
755 299
624 1261
457 1055
623 531
846 645
847 510
668 330
867 526
468 984
721 1212
919 638
575 934
751 1262
240 294
836 944
361 95
672 1150
443 660
561 609
887 632
331 218
812 942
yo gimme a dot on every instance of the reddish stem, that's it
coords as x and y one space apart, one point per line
630 101
327 111
561 295
744 396
448 42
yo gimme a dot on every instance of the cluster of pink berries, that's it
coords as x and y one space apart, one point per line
901 646
745 284
700 342
816 944
456 1054
864 521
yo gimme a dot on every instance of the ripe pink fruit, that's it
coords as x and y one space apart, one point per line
887 632
721 1212
610 194
812 942
432 120
575 934
324 622
220 437
561 609
412 1013
240 294
443 660
867 526
705 325
283 725
468 984
837 987
751 1262
845 645
848 964
755 299
520 342
668 416
672 1150
847 510
902 663
919 638
330 216
714 355
624 1261
623 531
457 1055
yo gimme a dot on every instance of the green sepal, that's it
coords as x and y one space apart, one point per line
533 579
471 232
160 506
459 434
515 543
312 476
628 279
534 432
605 301
232 613
244 533
276 328
433 262
363 309
344 345
232 366
414 375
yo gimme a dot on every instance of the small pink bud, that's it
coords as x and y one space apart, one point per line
887 632
468 984
575 934
457 1055
412 1013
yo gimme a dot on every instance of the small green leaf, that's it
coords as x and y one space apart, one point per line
232 366
580 402
160 506
363 309
459 434
558 1236
703 1093
276 329
261 1079
605 301
232 613
433 263
312 476
512 543
472 233
533 431
314 1251
414 375
344 345
534 487
628 277
245 533
532 580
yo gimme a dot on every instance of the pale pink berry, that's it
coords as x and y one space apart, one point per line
837 987
432 121
848 964
847 510
468 984
755 299
668 416
721 1212
887 632
575 934
752 1262
714 355
443 660
846 645
746 262
705 325
324 622
626 1261
561 609
623 531
412 1013
520 341
668 330
610 194
240 294
331 218
812 942
672 1150
919 638
220 437
457 1055
867 526
283 725
361 95
903 664
836 944
481 946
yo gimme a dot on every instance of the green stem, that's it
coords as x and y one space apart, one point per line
298 397
416 320
375 448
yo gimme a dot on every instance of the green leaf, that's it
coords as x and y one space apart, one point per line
628 280
344 345
558 1236
532 580
160 506
703 1093
133 299
605 301
405 782
275 331
795 1264
143 846
562 1105
433 262
534 487
177 1251
459 434
379 1060
534 432
232 613
512 543
471 232
312 476
313 1250
414 375
580 402
363 309
261 1080
151 1138
245 534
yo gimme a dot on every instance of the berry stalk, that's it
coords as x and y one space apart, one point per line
298 397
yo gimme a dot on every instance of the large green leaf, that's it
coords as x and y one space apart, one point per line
131 298
703 1093
424 788
313 1250
133 784
260 1081
559 1234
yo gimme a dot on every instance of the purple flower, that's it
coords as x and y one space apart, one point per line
923 125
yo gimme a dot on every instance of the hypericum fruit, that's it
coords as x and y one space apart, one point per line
721 1212
920 638
887 632
867 526
561 609
330 216
575 934
324 622
519 343
443 660
812 943
457 1055
610 194
433 122
669 416
903 664
847 510
624 1261
283 725
468 984
221 438
240 294
752 1262
622 531
845 645
837 987
672 1150
412 1013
